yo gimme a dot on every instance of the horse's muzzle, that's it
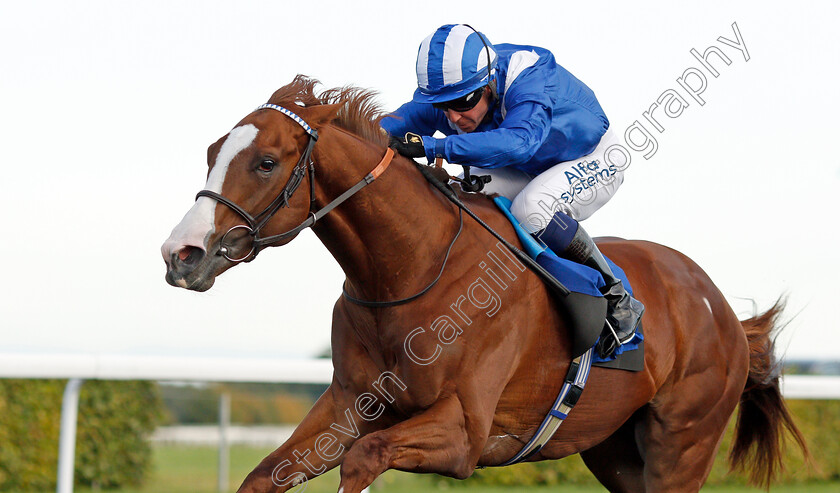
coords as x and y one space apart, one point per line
186 268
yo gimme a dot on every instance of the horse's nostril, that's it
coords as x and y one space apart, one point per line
190 255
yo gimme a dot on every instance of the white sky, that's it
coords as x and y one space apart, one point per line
107 108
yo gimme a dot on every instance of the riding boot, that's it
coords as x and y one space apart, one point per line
569 240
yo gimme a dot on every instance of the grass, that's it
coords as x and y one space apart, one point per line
181 469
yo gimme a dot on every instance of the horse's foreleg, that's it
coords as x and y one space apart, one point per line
313 449
440 440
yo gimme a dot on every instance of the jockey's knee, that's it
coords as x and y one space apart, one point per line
534 215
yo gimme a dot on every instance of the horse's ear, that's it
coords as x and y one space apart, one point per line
213 150
321 115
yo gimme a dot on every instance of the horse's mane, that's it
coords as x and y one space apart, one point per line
360 113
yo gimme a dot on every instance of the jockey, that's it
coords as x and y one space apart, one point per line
535 129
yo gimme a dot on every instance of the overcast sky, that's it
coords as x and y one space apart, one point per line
107 108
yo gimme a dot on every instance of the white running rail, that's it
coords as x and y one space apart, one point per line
80 367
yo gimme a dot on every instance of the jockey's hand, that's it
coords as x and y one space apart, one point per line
411 146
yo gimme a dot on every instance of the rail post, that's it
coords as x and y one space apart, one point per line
224 442
67 436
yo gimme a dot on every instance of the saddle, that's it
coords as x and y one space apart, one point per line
576 286
585 285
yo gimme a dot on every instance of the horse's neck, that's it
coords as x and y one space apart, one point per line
388 235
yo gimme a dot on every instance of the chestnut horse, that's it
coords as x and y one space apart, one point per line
462 376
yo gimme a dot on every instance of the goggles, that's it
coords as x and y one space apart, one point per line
464 103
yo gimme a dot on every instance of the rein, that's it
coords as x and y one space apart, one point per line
386 304
447 191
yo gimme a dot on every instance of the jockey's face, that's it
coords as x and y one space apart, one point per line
468 120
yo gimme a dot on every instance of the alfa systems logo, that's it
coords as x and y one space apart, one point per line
585 177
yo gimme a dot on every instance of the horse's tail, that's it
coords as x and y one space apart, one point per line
763 415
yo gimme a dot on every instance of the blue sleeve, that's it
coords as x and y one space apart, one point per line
517 139
419 118
525 127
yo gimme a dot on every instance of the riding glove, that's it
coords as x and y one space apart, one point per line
411 147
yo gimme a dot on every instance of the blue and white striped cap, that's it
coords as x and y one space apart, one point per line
452 62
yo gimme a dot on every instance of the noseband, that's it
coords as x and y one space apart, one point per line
256 223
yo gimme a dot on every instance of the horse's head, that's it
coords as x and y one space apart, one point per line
258 187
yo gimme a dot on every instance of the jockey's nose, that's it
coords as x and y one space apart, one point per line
453 115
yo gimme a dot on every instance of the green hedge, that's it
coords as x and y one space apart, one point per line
112 450
251 403
819 421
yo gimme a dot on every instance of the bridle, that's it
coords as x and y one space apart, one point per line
256 223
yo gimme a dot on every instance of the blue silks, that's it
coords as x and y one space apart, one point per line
577 277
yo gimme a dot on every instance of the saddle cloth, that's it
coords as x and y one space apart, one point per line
576 277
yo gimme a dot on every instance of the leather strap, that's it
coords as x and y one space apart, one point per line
387 304
383 165
315 216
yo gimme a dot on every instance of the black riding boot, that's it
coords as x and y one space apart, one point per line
625 312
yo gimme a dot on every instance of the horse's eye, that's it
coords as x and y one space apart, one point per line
267 165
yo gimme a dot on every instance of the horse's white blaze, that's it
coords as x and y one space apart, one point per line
199 222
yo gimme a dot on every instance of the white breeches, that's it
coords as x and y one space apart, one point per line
578 188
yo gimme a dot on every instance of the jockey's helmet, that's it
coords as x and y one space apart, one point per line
452 62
